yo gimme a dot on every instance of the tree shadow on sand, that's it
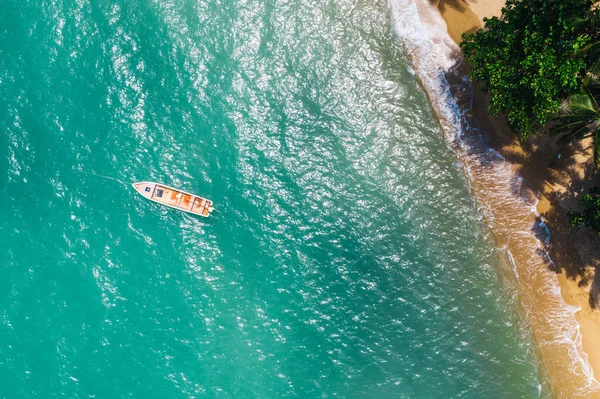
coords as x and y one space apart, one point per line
562 173
459 5
462 8
575 252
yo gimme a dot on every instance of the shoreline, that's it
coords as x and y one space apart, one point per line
559 182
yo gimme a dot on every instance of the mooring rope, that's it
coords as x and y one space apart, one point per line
104 177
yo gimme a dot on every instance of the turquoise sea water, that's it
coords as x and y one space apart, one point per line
346 257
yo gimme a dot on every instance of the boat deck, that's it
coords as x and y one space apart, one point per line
174 198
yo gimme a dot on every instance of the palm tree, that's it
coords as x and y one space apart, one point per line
579 117
592 54
590 26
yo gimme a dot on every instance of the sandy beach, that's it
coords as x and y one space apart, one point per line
561 175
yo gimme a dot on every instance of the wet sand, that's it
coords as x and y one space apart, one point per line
561 174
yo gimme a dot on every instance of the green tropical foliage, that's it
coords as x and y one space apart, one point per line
590 214
531 58
589 26
579 117
540 62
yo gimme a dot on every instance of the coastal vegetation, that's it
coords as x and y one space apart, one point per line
579 117
590 214
540 65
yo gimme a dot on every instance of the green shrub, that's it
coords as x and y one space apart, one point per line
590 214
530 60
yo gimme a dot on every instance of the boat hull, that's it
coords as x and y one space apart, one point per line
174 198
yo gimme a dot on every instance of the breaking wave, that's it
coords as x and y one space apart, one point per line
505 199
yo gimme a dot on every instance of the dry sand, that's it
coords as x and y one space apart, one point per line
486 8
561 182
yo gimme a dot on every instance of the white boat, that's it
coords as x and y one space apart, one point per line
174 198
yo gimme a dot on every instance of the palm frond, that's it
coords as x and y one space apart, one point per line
566 127
593 72
578 104
575 133
568 117
593 101
590 48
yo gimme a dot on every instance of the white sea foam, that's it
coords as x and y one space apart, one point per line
432 53
512 263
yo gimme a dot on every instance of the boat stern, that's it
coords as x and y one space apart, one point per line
145 188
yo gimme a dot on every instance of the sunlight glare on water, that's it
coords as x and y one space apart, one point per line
346 256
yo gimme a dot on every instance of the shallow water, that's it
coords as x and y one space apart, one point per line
507 201
347 256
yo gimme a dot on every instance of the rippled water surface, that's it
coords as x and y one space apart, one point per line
346 257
